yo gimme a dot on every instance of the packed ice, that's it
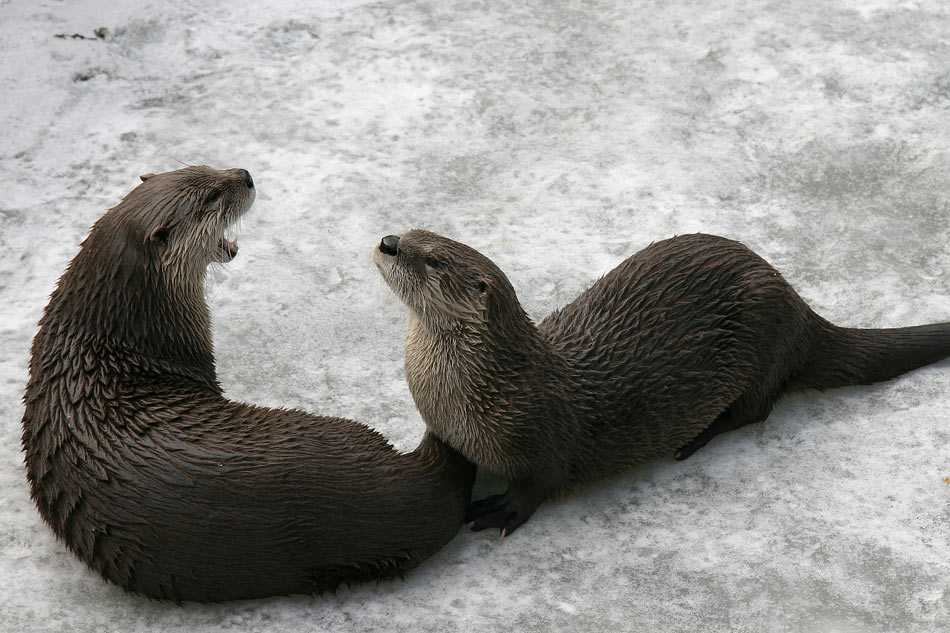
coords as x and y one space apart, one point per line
557 138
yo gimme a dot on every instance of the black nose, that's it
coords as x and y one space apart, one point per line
246 177
389 244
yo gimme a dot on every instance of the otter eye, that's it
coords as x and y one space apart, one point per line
431 262
482 287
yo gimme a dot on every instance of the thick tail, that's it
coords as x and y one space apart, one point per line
848 356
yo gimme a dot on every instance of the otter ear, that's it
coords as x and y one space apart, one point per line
159 235
482 286
145 177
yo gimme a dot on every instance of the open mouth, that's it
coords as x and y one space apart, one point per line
228 248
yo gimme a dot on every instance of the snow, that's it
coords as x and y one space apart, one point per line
557 138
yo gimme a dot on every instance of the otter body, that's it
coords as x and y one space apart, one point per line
691 337
137 461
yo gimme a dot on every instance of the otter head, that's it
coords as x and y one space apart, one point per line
139 277
176 221
445 283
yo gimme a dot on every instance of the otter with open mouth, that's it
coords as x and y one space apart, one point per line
154 479
691 337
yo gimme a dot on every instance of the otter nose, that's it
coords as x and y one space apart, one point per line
245 176
389 244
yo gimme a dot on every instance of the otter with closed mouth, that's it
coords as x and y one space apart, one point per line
163 486
691 337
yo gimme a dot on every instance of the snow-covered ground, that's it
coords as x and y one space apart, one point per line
557 137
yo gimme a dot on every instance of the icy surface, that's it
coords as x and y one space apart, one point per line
558 138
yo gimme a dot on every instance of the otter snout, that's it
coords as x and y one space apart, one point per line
245 176
389 244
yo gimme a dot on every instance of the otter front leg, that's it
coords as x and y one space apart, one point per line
507 511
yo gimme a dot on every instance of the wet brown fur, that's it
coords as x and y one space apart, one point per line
691 337
163 486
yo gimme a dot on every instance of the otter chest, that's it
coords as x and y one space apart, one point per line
438 371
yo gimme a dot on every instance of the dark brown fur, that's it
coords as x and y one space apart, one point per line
166 488
688 338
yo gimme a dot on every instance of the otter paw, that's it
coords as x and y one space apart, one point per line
507 511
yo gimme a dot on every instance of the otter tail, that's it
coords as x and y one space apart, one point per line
849 356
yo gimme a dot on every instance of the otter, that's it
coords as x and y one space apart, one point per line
151 476
689 338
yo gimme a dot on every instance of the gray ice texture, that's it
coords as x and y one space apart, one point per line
557 137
